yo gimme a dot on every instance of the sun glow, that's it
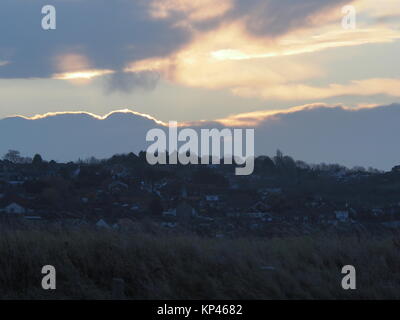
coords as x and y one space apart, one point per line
84 74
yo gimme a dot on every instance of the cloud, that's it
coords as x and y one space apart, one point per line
127 82
259 118
194 10
378 9
251 48
76 68
249 66
363 136
315 133
277 18
107 34
289 92
255 118
111 35
203 63
270 18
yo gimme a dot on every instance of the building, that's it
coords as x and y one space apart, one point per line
14 208
169 213
342 216
212 198
184 212
102 224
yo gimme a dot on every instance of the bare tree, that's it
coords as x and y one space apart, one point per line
13 156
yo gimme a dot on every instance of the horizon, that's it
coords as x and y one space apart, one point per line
93 161
229 150
273 131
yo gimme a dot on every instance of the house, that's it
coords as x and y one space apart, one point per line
135 207
260 207
259 215
185 212
342 216
117 187
269 191
392 224
14 208
102 224
76 173
396 169
33 218
124 224
169 213
377 212
212 198
168 224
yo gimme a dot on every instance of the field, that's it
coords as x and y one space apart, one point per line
189 267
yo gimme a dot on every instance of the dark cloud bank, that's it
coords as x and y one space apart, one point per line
367 137
114 33
109 33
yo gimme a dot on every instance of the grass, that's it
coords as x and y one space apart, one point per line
189 267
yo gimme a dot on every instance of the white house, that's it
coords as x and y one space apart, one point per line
14 208
342 215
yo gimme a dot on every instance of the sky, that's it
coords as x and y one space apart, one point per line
191 60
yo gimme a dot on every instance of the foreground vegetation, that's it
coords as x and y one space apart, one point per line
188 267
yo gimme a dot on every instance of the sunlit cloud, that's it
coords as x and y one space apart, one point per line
378 9
70 62
201 64
194 10
77 69
272 50
230 58
293 92
98 117
253 119
247 119
312 43
81 75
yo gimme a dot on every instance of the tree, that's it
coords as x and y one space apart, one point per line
156 207
13 156
37 160
278 160
268 165
279 154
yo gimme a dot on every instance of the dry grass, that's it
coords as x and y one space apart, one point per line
188 267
